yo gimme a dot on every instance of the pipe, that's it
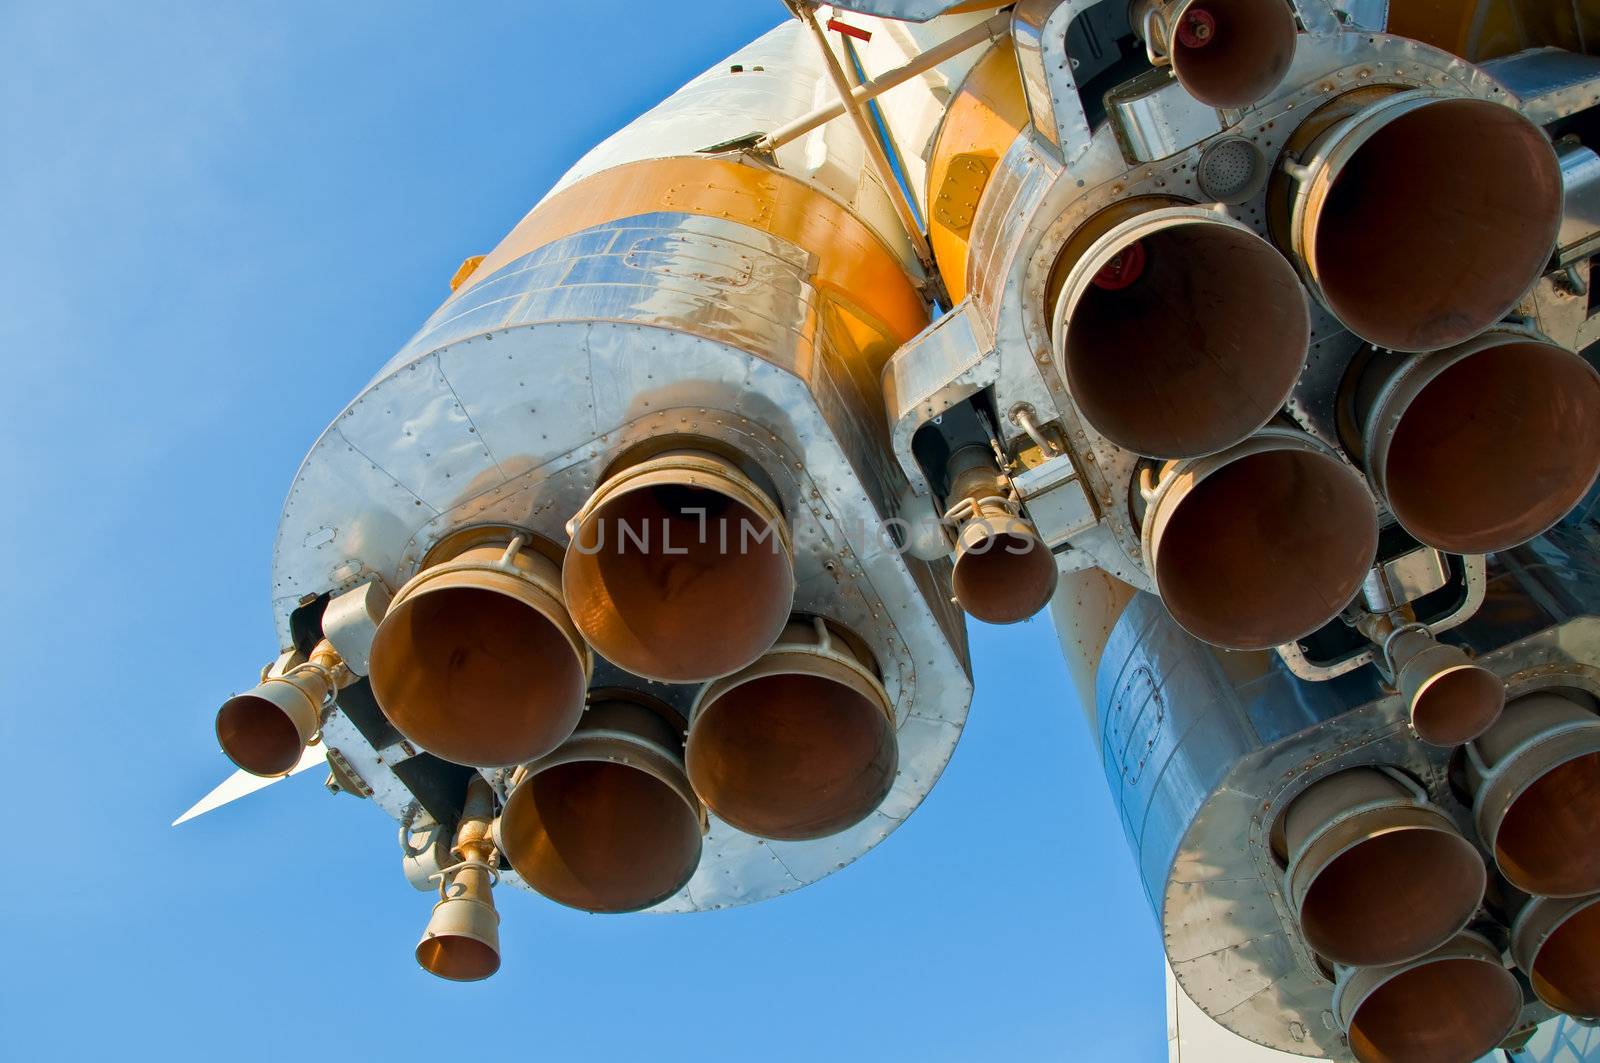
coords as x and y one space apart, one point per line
1261 544
477 660
1451 1006
1225 53
801 744
1556 942
1376 874
994 29
265 730
1482 447
1180 331
1417 218
1003 573
680 568
462 939
608 822
1535 781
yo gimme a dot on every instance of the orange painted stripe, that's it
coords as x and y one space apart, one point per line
852 266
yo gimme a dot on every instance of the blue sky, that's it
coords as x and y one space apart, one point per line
216 221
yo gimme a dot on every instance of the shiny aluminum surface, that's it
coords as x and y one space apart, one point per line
509 404
1204 748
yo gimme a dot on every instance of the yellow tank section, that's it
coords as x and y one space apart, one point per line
870 305
985 116
1478 30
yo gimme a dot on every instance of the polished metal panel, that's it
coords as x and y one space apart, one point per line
1364 14
1054 495
1404 579
527 386
1040 31
1204 749
1547 84
351 622
1580 224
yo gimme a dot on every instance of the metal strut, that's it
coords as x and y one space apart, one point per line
806 12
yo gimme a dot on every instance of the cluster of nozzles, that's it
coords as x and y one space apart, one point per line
680 570
1418 219
1402 908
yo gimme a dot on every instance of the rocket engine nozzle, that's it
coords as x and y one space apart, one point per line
1180 331
265 730
607 822
1451 699
1261 544
1556 942
1225 53
1419 219
1535 779
680 568
801 744
1376 874
1453 1005
462 939
1484 446
1003 572
477 660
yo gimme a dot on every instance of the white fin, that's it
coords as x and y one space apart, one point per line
242 784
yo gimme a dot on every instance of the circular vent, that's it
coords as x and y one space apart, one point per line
1232 170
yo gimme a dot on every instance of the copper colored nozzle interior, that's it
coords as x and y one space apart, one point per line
1007 579
1198 352
1458 705
1549 840
1497 448
792 756
476 675
1566 970
1438 224
258 736
1394 896
1448 1011
1266 549
678 583
601 836
1241 57
458 958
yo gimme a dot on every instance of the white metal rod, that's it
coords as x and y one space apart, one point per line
994 28
807 13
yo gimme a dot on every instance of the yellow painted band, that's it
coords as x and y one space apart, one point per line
984 117
853 267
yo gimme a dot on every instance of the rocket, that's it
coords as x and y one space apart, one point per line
1242 337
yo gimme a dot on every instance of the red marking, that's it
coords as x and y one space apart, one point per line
848 30
1198 28
1123 270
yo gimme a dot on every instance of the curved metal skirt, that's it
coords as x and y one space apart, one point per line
512 402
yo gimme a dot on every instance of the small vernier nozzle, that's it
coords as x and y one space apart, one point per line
265 730
1225 53
1450 699
462 940
1004 573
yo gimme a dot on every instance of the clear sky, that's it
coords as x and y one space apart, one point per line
216 221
